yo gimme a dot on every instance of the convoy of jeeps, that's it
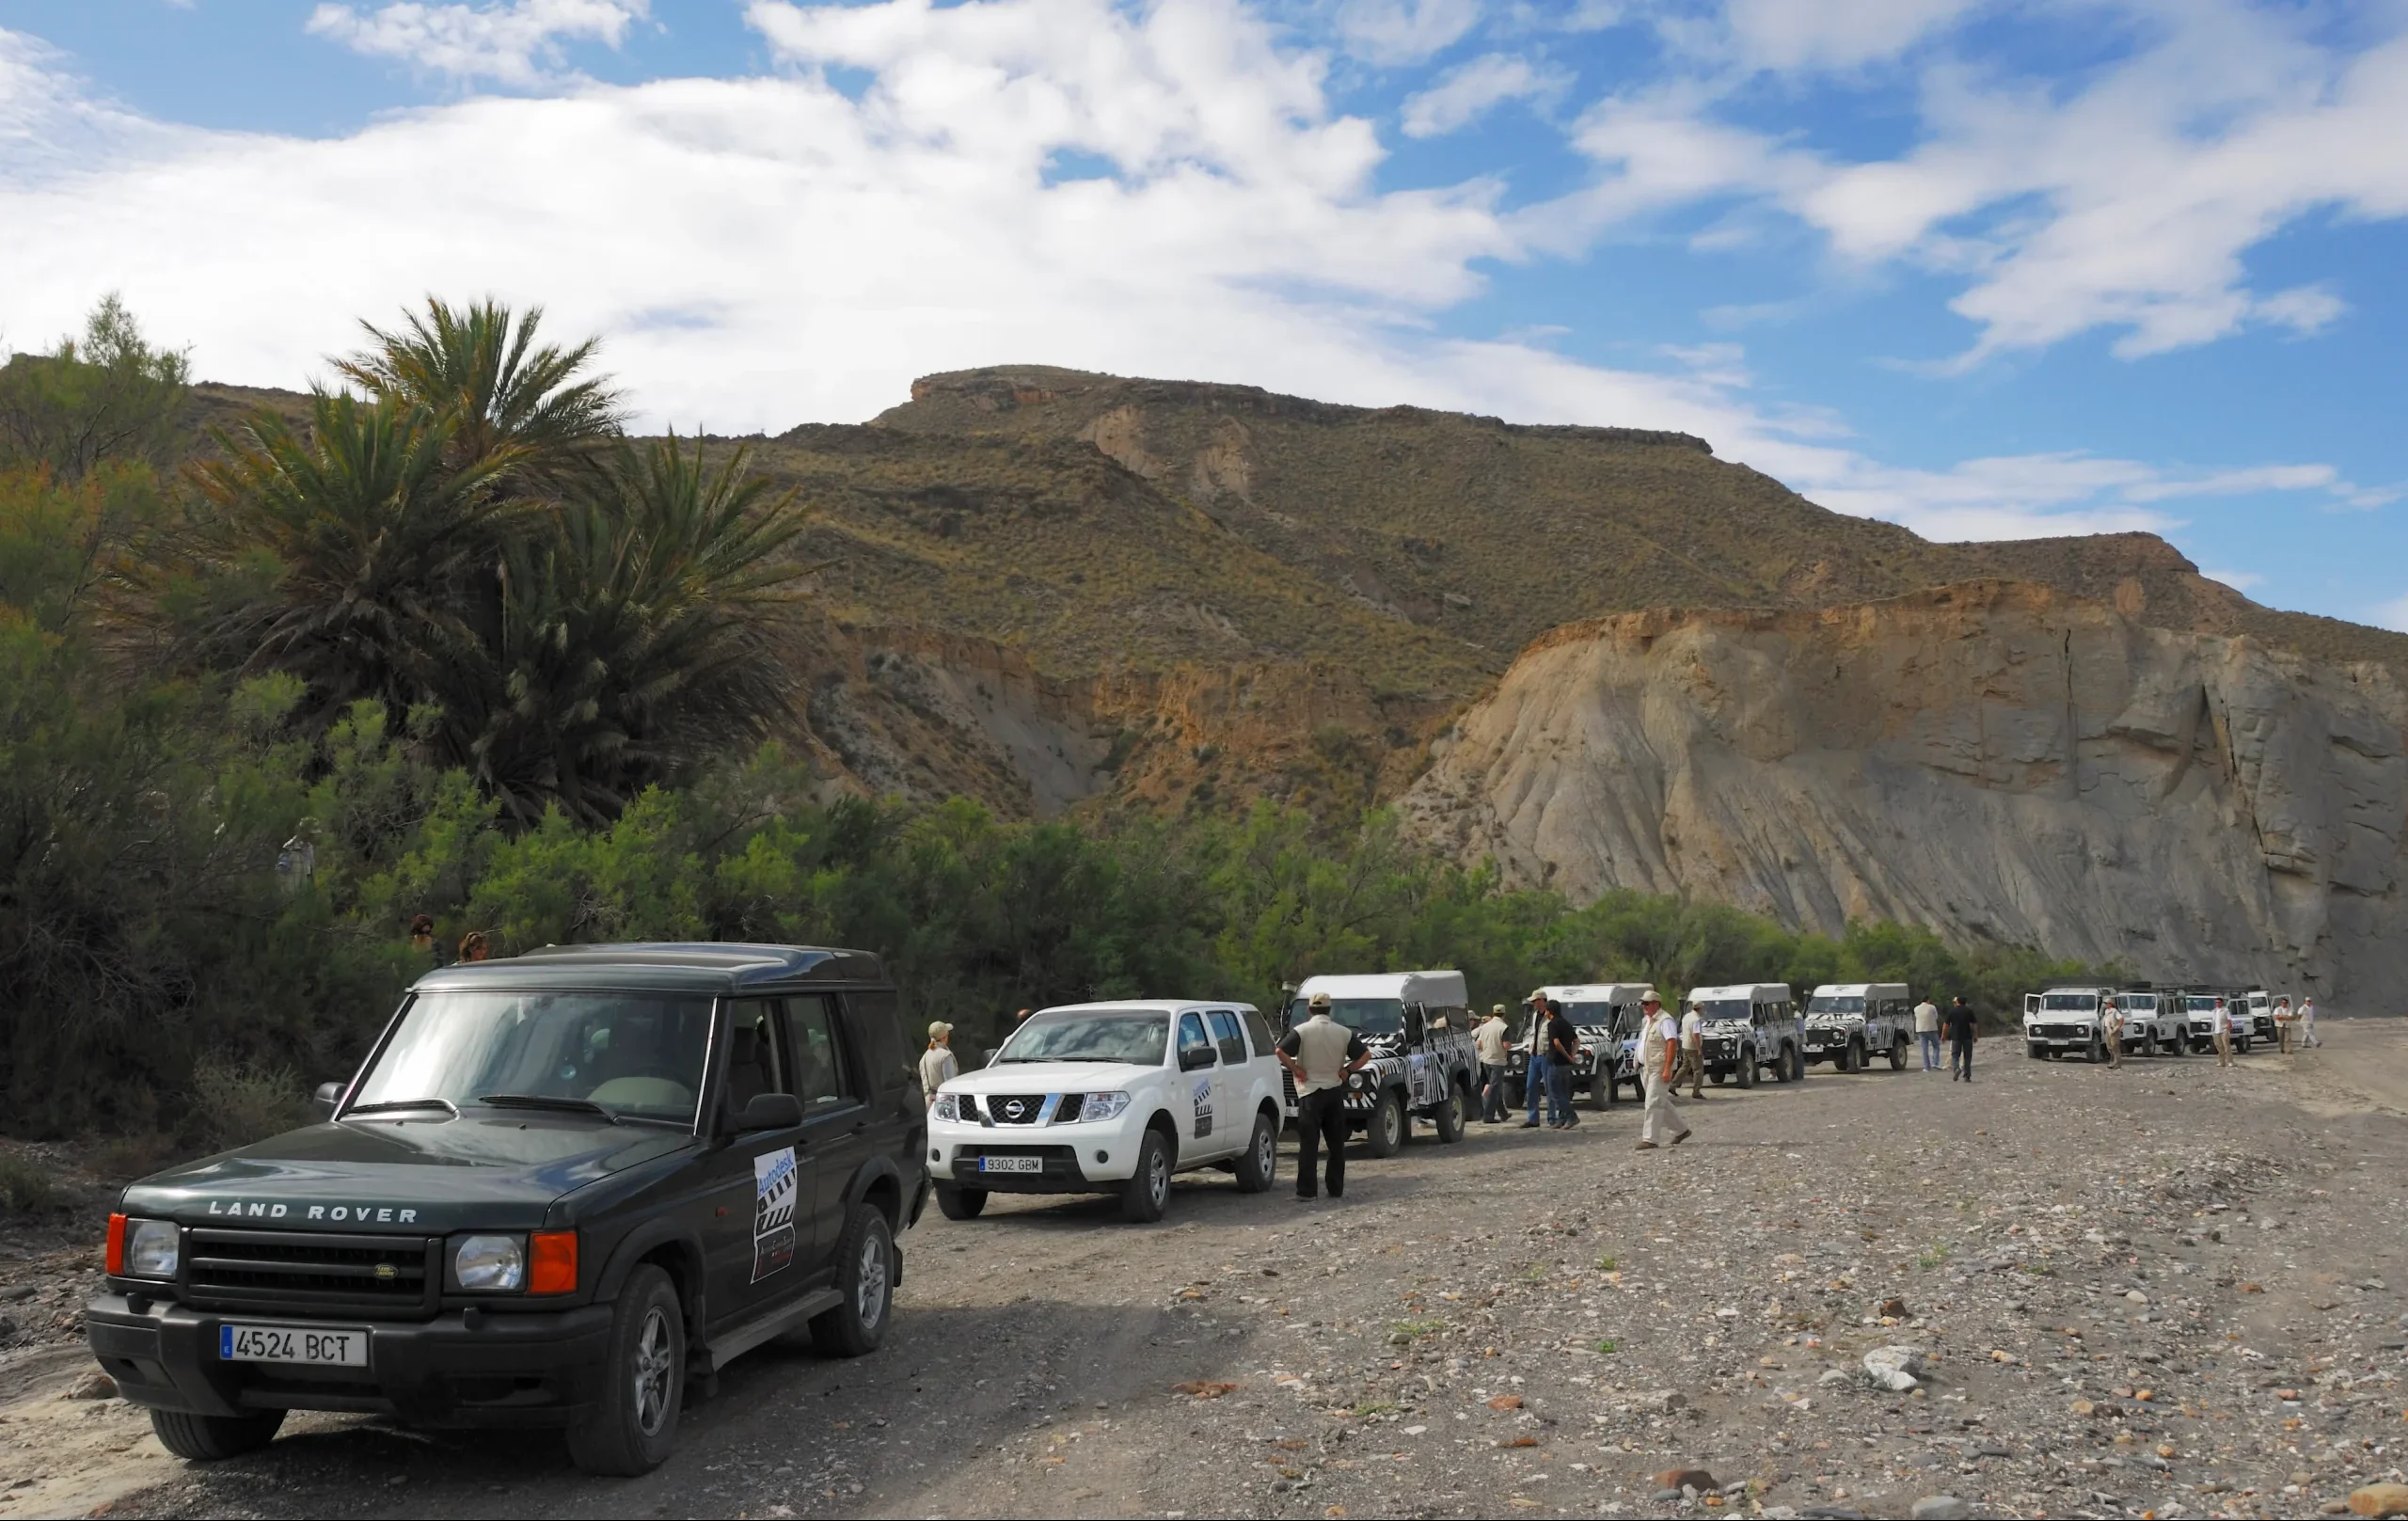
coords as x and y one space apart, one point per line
565 1188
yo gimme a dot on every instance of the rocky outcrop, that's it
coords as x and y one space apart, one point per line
1996 760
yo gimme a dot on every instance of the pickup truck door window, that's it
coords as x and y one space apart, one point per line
835 1120
1193 1101
759 1226
1231 1097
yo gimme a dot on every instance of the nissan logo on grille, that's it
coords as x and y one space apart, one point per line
1015 1108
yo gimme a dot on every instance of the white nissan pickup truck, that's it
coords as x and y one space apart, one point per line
1111 1098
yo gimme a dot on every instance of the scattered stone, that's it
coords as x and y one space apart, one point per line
1696 1479
1896 1368
1940 1508
1664 1496
1895 1308
1506 1402
2379 1500
1203 1388
94 1385
1836 1375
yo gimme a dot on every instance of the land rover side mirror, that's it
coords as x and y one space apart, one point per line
327 1096
1193 1057
770 1112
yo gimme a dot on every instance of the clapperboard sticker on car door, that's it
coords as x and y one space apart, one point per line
1202 1100
774 1182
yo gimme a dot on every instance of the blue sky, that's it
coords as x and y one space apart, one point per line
1987 270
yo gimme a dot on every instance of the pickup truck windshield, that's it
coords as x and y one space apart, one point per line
1832 1004
634 1054
1367 1016
1137 1037
2070 1003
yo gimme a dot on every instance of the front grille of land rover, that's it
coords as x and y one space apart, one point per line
296 1272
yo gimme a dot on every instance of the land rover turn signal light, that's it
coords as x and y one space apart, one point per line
551 1261
115 1259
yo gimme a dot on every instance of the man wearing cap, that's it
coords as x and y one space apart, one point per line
937 1064
1535 1065
1490 1040
1321 1054
1659 1041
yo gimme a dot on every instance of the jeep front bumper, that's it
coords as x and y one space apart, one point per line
530 1368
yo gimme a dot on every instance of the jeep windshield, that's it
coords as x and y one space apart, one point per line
2070 1003
627 1055
1135 1036
1725 1009
1590 1016
1364 1016
2138 1003
1834 1004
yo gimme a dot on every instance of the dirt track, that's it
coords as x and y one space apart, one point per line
1534 1322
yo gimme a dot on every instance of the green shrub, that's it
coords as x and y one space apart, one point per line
26 1184
243 1102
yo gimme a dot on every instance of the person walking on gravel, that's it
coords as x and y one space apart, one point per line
1693 1066
936 1066
2307 1023
1563 1057
1927 1033
2111 1032
1534 1067
1489 1039
1658 1044
1959 1025
2223 1035
1321 1054
2285 1026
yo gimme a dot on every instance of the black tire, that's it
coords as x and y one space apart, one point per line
213 1438
866 1276
1448 1117
1720 1078
1384 1132
2098 1050
960 1203
1898 1053
1258 1167
1785 1067
1517 1092
1601 1089
1747 1074
1147 1193
632 1425
1855 1058
2033 1051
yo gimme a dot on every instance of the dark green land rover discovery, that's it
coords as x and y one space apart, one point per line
558 1188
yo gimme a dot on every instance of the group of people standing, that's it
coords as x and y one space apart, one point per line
1668 1052
1958 1025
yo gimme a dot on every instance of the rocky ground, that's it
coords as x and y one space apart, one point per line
2161 1291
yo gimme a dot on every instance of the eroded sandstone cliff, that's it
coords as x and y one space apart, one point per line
1997 760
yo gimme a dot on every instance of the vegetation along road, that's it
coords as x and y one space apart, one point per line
2166 1288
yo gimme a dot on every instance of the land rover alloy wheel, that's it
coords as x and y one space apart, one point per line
633 1421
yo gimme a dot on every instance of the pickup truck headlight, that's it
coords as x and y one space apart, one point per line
490 1264
152 1248
1102 1106
949 1107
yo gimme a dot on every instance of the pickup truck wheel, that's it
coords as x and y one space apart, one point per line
1386 1132
1260 1167
632 1424
1897 1054
960 1203
1147 1193
208 1438
866 1276
1450 1116
1748 1067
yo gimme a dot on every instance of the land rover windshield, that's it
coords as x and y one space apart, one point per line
1365 1016
1834 1004
628 1055
2070 1003
1137 1037
1590 1016
1725 1009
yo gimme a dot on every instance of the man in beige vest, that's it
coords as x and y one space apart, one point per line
1321 1054
1659 1041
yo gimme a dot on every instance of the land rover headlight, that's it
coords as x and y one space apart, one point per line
1102 1106
489 1263
150 1248
948 1106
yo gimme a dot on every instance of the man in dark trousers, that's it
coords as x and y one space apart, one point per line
1321 1054
1958 1025
1562 1056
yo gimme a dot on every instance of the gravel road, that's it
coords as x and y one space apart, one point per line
2166 1289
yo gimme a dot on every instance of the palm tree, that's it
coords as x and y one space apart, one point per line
373 533
639 640
481 369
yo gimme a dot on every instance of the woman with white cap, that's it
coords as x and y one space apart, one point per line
936 1062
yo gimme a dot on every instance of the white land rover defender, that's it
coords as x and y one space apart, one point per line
2063 1021
1750 1025
2148 1028
1607 1016
1848 1024
1417 1025
1111 1098
2201 1008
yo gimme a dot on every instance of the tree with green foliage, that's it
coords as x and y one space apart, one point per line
108 395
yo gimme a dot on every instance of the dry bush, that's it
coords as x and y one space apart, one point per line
26 1184
244 1101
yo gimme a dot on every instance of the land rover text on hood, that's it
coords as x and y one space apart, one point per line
558 1188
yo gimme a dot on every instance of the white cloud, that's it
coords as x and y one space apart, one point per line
764 251
517 43
2126 203
1404 31
1464 94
